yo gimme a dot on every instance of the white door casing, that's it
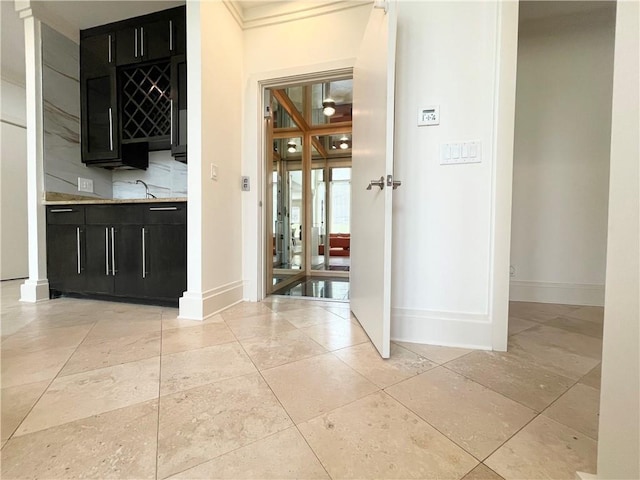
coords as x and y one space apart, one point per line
372 159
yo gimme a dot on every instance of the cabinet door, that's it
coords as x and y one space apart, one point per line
100 139
179 106
97 55
155 39
65 262
179 39
128 46
166 261
99 278
128 278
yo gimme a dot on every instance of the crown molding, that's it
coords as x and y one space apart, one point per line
38 10
278 13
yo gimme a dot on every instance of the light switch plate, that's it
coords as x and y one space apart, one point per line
214 172
246 186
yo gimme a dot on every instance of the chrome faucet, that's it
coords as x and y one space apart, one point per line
146 188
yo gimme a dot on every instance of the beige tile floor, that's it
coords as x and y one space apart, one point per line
289 388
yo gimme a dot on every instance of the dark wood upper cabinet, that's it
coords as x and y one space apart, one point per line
127 72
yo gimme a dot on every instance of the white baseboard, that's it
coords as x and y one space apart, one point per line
202 305
450 329
565 293
34 291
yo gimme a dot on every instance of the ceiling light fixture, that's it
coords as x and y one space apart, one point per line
291 146
344 143
328 107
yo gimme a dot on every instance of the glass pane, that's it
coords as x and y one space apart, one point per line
318 229
98 103
281 119
341 93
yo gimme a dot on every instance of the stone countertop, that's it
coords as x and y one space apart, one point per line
112 201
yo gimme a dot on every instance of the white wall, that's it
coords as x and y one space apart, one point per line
270 52
61 92
561 158
13 174
619 433
444 215
214 223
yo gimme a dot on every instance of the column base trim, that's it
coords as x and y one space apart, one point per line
202 305
34 291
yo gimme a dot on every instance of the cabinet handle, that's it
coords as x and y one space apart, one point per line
171 120
78 248
142 41
163 209
106 249
135 43
110 49
171 35
60 210
144 254
113 251
110 129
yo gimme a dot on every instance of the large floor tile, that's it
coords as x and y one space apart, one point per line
259 326
594 377
517 325
336 335
316 385
566 353
117 444
100 352
376 437
31 340
591 314
203 423
435 353
309 316
538 312
476 418
170 320
16 403
184 370
579 409
576 325
284 455
34 367
84 394
285 347
126 324
525 382
482 472
190 338
366 360
545 449
246 309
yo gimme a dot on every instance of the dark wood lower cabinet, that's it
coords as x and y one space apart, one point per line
139 257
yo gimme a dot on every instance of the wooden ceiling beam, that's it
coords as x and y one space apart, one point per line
315 141
290 108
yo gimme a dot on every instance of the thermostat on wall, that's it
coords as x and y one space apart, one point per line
429 115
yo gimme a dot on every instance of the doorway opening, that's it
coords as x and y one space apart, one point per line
308 143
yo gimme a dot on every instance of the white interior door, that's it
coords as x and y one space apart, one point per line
373 111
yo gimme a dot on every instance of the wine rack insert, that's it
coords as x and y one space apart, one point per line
146 101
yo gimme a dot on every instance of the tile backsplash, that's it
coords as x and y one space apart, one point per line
165 177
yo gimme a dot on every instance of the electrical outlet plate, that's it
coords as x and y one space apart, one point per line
85 185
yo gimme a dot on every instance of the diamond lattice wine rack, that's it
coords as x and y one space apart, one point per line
146 104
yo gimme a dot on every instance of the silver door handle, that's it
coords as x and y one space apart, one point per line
110 129
60 210
396 184
392 183
376 183
171 120
106 249
78 248
135 43
109 48
163 209
113 251
142 41
171 35
144 255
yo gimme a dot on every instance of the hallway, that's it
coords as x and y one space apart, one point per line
289 388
